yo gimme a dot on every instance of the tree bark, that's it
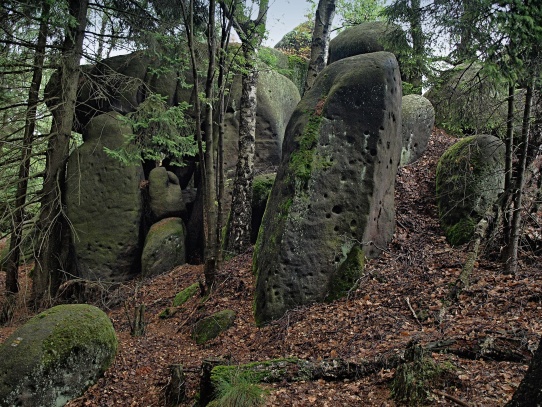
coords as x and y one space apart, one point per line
418 45
320 40
52 225
241 205
12 283
251 34
509 159
529 392
513 245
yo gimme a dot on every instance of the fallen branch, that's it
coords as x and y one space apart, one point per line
451 398
413 312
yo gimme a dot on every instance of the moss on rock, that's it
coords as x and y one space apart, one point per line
185 295
469 179
348 273
56 355
210 327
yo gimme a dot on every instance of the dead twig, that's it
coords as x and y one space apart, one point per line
413 312
452 398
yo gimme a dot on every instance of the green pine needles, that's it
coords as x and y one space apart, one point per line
238 389
159 131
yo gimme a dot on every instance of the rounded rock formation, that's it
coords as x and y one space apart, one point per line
55 356
469 179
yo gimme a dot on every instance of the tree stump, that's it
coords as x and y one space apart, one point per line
176 388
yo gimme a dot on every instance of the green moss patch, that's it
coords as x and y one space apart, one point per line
185 295
210 327
348 274
56 355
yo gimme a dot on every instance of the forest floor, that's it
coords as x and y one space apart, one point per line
403 296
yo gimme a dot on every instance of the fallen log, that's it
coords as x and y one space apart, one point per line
485 347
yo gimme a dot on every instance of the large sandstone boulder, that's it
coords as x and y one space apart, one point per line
417 121
164 247
166 197
370 36
332 202
469 179
468 101
55 356
104 204
277 97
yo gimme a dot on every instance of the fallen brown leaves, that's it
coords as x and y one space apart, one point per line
374 320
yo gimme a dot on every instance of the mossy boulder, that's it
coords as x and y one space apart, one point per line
210 327
55 356
166 197
367 37
104 204
417 121
469 101
335 185
164 247
185 295
469 180
291 65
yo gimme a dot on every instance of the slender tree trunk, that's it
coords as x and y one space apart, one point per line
418 45
241 205
207 158
509 157
221 108
12 283
52 224
210 203
240 225
513 245
320 40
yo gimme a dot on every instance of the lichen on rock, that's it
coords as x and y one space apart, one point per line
55 356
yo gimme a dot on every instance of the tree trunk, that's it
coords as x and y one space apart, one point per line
12 283
513 245
509 159
210 200
240 225
52 225
320 40
418 45
529 392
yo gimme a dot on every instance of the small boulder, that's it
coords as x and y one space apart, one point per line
210 327
55 356
166 197
417 121
469 179
185 295
164 247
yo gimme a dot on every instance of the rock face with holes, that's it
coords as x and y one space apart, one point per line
104 204
332 203
55 356
417 121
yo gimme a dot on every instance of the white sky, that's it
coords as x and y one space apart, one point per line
283 16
